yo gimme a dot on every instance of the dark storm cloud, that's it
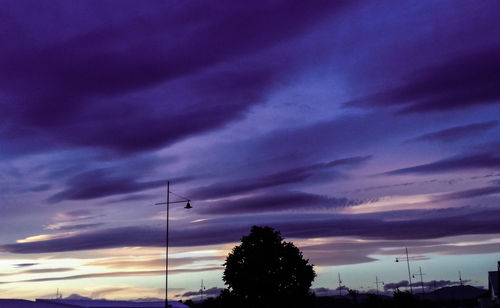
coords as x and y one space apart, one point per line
440 283
105 182
396 285
95 66
25 264
71 90
101 183
368 226
276 201
454 163
325 292
208 292
469 193
227 230
466 81
294 175
457 132
427 284
107 238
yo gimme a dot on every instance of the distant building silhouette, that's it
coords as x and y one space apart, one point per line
493 288
493 284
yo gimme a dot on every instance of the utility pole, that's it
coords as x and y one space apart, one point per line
421 279
460 279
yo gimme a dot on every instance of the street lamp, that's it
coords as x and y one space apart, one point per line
188 206
408 263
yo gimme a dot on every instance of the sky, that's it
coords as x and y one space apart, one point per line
355 128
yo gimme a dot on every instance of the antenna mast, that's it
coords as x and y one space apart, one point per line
202 290
340 286
58 295
377 283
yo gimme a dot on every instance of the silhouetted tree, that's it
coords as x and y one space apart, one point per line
404 299
354 295
265 271
373 301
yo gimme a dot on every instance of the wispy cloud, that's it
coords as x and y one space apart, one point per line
39 271
101 183
451 222
117 274
469 193
276 201
462 82
453 164
149 263
457 132
295 175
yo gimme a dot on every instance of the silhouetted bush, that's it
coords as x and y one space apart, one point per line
404 299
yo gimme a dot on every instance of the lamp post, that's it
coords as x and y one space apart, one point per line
188 206
408 263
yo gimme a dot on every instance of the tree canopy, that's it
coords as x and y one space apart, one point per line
266 271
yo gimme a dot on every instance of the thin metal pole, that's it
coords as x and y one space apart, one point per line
377 282
409 274
340 286
201 291
166 252
421 280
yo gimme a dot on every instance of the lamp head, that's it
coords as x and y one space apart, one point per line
188 206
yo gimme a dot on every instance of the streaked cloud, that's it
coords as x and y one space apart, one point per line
453 164
457 132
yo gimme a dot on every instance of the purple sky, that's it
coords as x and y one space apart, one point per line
356 128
